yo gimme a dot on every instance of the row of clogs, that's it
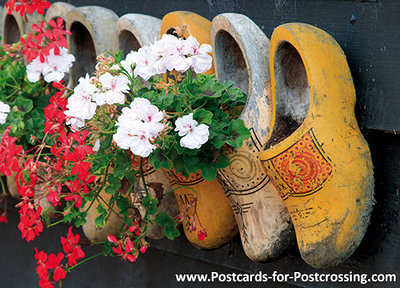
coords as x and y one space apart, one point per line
316 169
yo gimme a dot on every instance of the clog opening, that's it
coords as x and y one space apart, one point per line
128 42
55 20
171 31
82 47
230 61
292 92
11 30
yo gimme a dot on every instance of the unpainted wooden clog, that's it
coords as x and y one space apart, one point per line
137 30
241 55
93 32
14 26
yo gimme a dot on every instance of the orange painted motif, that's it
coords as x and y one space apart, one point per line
302 169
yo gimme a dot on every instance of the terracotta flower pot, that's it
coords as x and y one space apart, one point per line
59 10
316 155
241 52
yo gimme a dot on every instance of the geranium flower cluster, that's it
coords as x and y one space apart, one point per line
128 247
169 53
53 68
27 6
138 126
46 262
46 37
142 123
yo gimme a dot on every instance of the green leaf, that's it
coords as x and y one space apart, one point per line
100 220
171 232
24 105
123 205
115 184
238 133
158 159
131 176
80 219
203 116
150 203
163 219
208 172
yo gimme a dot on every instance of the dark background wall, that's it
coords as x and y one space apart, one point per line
369 34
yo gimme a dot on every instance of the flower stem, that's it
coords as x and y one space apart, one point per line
90 258
3 188
55 223
142 175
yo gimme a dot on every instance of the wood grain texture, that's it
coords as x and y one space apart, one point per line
59 9
241 53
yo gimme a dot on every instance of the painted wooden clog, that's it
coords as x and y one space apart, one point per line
213 207
93 32
241 53
157 185
213 210
112 224
316 155
135 31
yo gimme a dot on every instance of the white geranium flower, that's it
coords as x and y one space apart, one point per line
144 65
80 104
129 62
53 69
194 135
113 89
143 110
201 61
162 51
4 110
138 126
75 122
34 70
96 146
137 136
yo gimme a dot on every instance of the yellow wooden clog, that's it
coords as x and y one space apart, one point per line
316 155
213 208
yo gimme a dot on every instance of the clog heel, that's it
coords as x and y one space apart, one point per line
213 208
316 155
241 55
